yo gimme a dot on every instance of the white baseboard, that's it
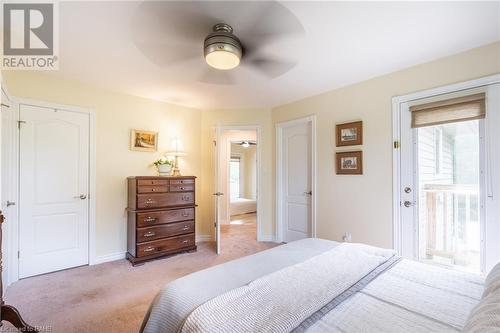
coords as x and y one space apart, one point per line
266 238
109 257
203 238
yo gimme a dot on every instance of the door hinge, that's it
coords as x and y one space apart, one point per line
396 145
215 224
215 143
18 254
19 122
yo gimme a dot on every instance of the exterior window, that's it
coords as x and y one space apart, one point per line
234 177
438 146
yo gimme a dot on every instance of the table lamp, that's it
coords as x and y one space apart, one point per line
176 151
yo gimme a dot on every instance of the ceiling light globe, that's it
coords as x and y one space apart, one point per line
222 59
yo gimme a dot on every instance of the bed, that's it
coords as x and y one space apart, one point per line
317 286
240 206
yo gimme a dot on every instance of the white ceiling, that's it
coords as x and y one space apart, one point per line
341 43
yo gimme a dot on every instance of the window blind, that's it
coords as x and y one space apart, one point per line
448 111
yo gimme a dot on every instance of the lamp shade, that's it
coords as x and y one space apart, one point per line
176 148
176 153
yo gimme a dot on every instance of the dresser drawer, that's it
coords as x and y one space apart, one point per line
181 181
164 200
165 245
182 188
152 182
152 189
168 216
164 231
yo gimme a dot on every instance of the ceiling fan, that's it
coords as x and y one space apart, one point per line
221 38
246 144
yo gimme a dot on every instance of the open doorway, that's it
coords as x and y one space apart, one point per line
238 183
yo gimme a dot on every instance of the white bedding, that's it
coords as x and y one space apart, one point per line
409 297
314 282
240 206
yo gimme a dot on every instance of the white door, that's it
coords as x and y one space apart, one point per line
217 188
444 182
8 185
54 177
297 190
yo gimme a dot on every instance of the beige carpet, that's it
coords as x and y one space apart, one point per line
114 296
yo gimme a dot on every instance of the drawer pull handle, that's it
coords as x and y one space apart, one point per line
153 189
185 228
149 219
149 234
149 249
185 198
182 188
185 214
185 241
149 201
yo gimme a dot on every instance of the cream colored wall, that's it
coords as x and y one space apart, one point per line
362 205
116 115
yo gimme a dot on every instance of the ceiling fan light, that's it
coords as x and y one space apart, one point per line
221 48
245 144
222 59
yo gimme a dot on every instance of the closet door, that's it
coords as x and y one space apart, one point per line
54 177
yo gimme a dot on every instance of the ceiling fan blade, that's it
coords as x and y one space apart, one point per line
166 55
171 21
272 22
168 32
269 67
214 76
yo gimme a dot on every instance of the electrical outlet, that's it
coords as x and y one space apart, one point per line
347 237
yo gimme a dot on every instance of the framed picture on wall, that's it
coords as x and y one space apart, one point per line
349 163
349 134
143 140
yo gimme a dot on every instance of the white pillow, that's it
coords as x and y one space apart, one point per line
485 317
492 282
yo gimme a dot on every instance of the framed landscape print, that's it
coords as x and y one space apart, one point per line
349 163
143 140
350 134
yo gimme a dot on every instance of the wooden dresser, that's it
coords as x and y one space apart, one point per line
161 217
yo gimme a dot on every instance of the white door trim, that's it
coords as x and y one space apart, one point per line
14 224
258 128
397 102
279 176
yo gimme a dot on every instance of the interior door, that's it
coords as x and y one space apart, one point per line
53 189
8 183
217 189
297 191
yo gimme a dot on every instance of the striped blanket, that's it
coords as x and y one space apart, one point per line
281 301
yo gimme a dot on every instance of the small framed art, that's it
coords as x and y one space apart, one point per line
349 163
349 134
143 140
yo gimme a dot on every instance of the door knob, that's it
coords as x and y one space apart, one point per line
218 194
10 203
81 196
408 204
308 193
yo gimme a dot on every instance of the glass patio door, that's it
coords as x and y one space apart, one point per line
442 181
449 194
